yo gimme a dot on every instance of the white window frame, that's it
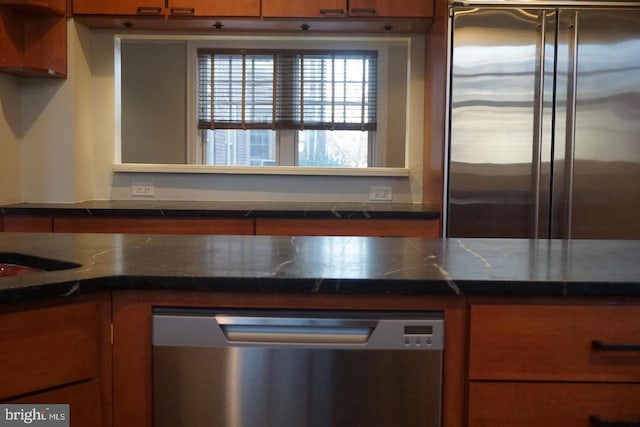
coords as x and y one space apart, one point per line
414 130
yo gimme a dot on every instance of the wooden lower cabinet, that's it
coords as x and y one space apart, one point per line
49 347
553 343
525 404
153 225
84 402
554 365
349 227
225 226
28 223
59 354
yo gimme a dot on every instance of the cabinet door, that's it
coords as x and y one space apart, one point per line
83 400
48 347
555 343
391 8
214 8
552 404
118 7
304 8
347 227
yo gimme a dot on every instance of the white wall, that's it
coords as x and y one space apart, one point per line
57 128
69 144
10 134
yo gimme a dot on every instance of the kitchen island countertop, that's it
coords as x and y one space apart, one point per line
336 265
203 209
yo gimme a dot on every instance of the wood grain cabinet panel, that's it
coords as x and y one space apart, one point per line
48 347
304 8
33 39
348 227
83 400
243 8
554 365
118 7
553 404
28 223
391 8
554 343
175 8
153 225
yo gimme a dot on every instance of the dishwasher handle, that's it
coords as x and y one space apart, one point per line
295 330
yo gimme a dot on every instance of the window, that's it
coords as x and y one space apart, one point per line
302 107
158 115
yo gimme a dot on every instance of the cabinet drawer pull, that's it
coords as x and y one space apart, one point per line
145 10
595 420
183 10
364 10
331 11
600 345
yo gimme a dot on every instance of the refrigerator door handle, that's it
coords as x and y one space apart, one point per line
571 122
539 127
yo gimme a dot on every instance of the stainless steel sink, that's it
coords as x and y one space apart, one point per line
15 264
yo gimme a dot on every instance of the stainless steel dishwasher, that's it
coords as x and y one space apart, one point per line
296 369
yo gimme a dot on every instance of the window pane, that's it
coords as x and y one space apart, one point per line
235 147
339 148
288 90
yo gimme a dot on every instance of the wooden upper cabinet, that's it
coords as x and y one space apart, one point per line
37 7
118 7
391 8
33 38
304 8
245 8
174 7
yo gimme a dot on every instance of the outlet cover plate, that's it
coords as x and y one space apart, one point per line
380 193
143 189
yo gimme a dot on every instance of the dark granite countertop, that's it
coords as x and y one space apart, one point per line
153 208
338 265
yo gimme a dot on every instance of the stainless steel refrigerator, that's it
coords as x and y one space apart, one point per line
544 137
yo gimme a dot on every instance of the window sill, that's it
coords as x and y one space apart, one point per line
258 170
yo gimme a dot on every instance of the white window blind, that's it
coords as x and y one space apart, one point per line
324 90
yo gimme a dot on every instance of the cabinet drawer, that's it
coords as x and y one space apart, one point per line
48 347
551 404
539 342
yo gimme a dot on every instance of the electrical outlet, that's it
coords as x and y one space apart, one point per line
143 189
380 193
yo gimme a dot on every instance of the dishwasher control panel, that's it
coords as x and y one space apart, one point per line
418 335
